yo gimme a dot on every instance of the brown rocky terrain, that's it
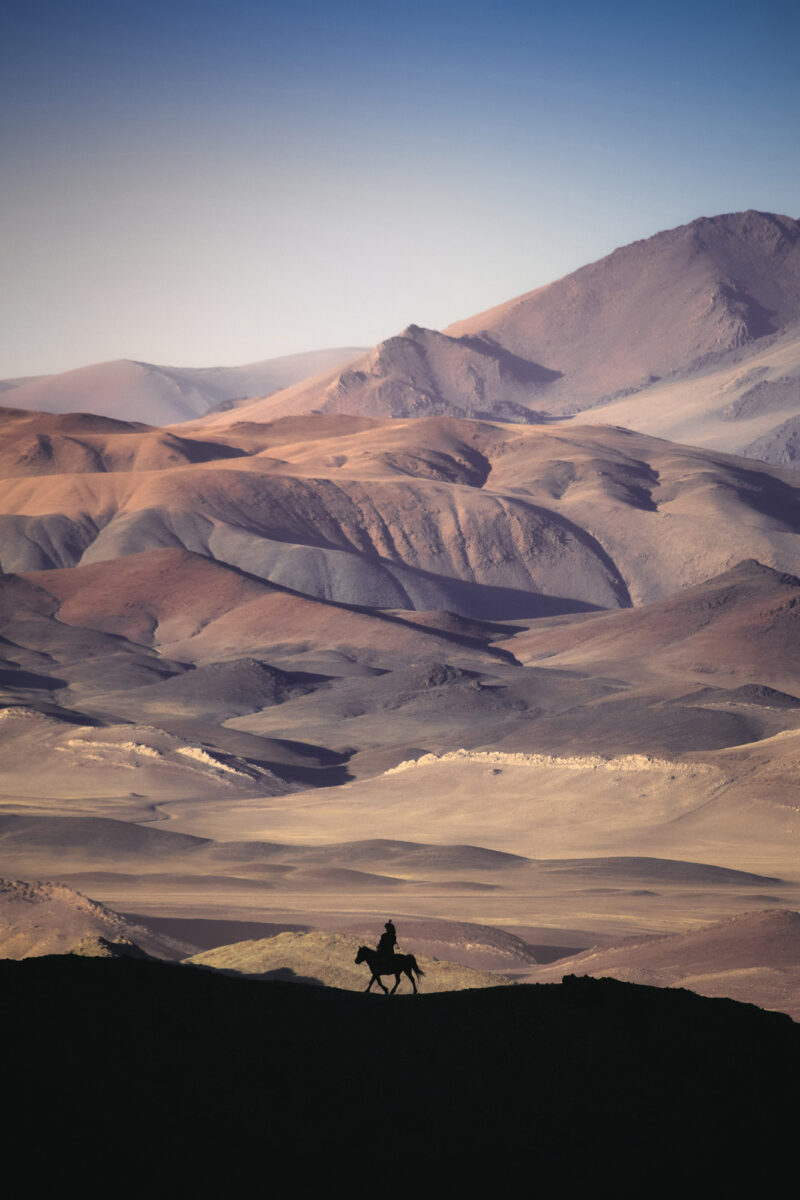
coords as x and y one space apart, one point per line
480 519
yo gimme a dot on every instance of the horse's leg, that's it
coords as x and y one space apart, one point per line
396 983
411 977
377 979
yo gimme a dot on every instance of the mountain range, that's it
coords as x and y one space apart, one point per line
693 334
441 597
161 395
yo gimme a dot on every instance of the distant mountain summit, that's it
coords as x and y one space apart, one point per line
158 395
665 305
704 298
692 334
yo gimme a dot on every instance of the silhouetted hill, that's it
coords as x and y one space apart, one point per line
214 1075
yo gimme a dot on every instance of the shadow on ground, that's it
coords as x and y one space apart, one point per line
209 1076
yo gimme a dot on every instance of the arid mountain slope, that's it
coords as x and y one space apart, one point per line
161 395
100 696
203 611
47 918
690 634
700 300
251 618
481 519
753 957
419 373
746 404
655 307
35 443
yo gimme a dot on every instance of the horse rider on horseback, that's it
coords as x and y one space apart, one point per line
388 941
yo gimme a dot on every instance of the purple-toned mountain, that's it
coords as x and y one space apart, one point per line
658 307
667 307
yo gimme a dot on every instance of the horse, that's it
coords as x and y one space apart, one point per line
392 964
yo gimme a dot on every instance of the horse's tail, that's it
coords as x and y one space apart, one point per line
417 970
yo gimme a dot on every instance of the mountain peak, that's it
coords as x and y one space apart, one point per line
661 308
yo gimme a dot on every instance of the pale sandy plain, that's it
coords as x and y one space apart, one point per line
488 673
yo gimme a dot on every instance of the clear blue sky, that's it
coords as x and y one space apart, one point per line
201 183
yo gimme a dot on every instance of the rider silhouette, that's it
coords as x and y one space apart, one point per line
388 941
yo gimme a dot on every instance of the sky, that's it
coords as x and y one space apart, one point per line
210 183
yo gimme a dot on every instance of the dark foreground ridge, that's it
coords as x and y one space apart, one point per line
180 1073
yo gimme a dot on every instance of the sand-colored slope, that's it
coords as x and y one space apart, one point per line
161 395
329 959
34 444
739 628
39 918
747 406
754 957
451 900
736 807
50 757
485 520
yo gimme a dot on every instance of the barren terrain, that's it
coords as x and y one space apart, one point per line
160 394
693 334
529 686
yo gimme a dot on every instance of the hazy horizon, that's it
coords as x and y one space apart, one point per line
205 185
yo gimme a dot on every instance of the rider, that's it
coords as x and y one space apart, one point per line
388 941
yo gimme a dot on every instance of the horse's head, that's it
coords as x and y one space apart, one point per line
363 951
